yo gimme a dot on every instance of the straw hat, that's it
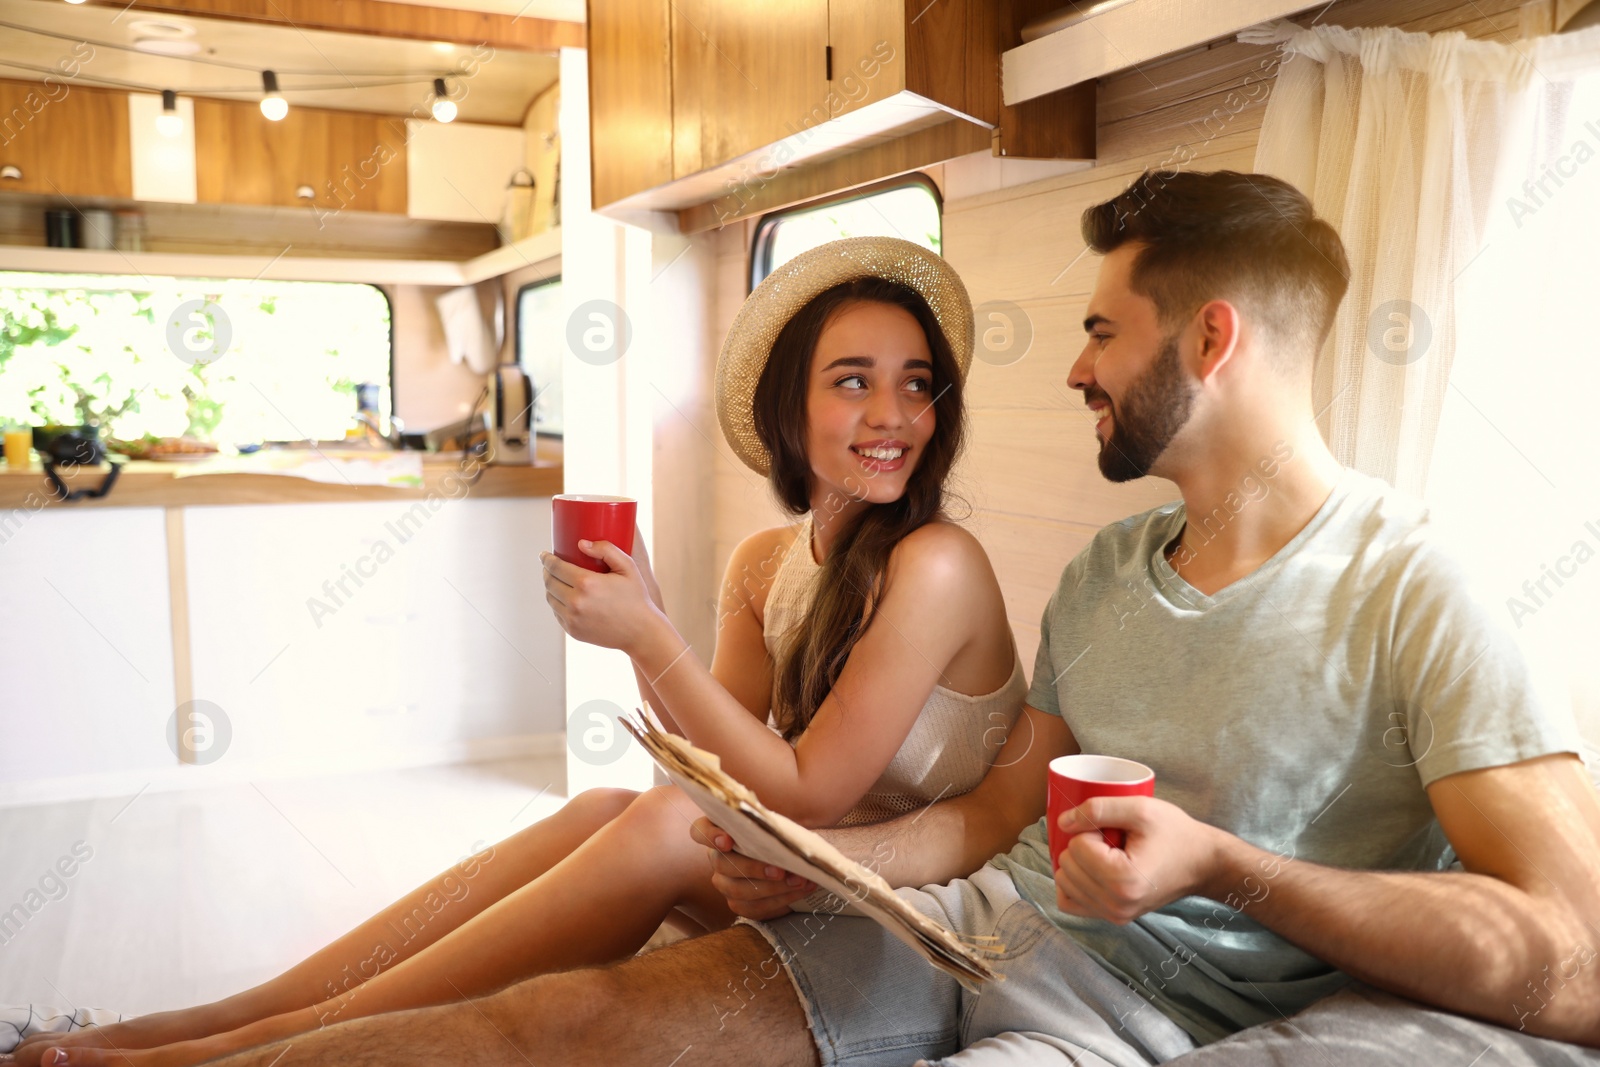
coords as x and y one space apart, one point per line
792 286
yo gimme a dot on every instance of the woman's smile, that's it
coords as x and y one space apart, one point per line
881 456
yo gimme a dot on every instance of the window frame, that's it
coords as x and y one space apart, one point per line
767 225
394 384
388 300
516 336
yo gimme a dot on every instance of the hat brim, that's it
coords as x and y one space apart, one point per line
792 286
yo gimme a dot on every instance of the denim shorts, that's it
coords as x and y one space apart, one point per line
871 1001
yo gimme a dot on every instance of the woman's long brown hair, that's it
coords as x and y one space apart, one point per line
855 572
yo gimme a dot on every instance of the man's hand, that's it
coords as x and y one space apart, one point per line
1168 855
753 890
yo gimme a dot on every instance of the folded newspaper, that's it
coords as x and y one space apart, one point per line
763 834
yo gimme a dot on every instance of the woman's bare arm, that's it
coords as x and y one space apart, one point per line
641 556
948 839
940 586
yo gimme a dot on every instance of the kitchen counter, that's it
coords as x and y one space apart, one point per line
156 484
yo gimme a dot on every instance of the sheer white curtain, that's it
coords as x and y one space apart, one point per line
1464 178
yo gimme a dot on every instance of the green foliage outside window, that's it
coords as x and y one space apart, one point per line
232 361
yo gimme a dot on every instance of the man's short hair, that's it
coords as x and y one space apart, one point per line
1251 239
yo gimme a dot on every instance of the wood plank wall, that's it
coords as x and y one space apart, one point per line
1040 496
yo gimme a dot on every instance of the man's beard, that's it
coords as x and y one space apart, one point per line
1155 408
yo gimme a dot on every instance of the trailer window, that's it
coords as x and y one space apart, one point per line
540 340
233 361
902 207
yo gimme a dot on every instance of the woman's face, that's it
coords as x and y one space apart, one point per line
869 405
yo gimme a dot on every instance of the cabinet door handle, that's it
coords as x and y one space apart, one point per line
827 53
9 172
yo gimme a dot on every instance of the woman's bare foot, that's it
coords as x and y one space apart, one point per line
177 1054
181 1054
143 1032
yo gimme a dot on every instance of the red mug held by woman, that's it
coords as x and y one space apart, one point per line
585 517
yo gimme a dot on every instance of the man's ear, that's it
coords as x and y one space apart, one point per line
1218 329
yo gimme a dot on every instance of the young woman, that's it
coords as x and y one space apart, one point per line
872 634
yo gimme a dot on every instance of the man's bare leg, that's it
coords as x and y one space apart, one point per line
708 1001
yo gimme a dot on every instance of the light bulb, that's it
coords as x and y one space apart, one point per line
444 108
273 105
169 123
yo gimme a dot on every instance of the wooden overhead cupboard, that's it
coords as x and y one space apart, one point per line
334 160
703 103
64 140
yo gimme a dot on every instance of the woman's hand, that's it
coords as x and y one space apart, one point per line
612 610
641 559
753 890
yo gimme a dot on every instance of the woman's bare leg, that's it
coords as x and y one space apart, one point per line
410 925
599 904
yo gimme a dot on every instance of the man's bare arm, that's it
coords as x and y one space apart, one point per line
946 840
1513 939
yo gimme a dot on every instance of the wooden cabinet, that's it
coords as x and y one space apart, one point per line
20 105
347 160
703 103
630 96
745 73
866 39
67 140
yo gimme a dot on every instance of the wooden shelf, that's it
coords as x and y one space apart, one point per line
1142 30
147 484
528 252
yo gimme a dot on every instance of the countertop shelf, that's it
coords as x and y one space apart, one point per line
153 484
530 251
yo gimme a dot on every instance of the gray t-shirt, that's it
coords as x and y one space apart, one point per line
1304 708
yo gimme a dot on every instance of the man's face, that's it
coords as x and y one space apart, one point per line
1131 375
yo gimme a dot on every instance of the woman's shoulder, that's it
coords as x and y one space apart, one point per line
945 553
755 562
765 549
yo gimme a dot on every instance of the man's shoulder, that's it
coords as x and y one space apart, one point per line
1380 531
1392 534
1121 544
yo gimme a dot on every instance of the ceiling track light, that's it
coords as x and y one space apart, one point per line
169 123
273 105
444 108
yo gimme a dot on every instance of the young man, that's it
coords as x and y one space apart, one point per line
1331 720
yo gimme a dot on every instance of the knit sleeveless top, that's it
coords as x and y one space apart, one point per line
955 737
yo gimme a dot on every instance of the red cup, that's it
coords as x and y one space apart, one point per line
580 517
1074 779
